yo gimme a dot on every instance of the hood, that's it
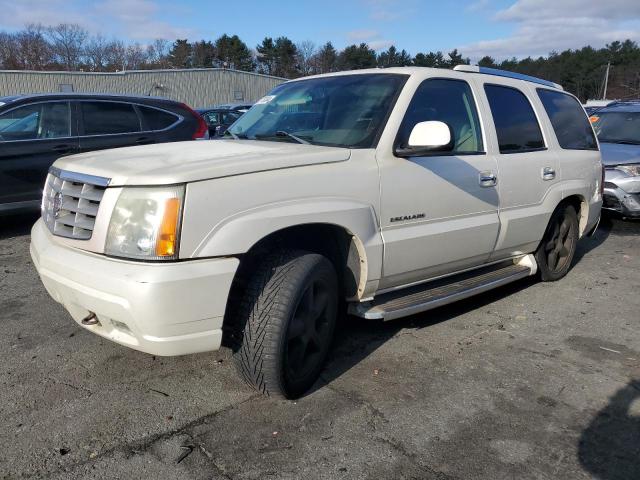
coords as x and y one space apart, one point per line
619 154
183 162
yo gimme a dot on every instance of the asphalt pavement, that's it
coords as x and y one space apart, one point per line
534 380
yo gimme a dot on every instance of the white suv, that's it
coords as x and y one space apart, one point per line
393 191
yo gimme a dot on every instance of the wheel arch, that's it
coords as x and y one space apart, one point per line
581 206
343 248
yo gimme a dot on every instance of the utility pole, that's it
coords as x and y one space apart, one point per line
606 82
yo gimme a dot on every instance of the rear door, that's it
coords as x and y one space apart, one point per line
32 137
527 168
110 124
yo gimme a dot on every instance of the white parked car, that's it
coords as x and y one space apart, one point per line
393 190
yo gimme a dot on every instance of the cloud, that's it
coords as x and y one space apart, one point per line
379 44
133 19
477 6
388 10
17 14
362 35
137 19
543 26
372 38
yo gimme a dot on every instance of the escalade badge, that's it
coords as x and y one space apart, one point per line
406 218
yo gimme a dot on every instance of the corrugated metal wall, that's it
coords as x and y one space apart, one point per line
196 87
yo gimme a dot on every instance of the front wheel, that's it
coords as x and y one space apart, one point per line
558 246
286 322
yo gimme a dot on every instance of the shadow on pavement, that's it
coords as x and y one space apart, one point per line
357 338
17 225
609 448
586 244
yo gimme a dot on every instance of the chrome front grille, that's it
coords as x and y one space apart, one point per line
70 203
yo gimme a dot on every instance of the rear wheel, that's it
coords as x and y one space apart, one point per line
558 246
286 322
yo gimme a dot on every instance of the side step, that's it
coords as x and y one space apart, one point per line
427 296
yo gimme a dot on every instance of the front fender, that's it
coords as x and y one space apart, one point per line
236 234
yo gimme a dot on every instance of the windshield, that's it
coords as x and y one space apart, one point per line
617 127
343 111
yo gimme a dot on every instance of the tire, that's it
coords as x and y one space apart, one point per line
558 246
285 322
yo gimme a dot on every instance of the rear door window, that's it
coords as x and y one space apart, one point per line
569 120
36 122
156 119
516 124
108 118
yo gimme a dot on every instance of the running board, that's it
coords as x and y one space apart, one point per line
427 296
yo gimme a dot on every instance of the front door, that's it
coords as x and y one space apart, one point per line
439 213
32 137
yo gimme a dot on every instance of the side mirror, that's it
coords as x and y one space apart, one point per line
427 138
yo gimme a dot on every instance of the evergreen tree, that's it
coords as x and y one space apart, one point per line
393 58
487 61
233 52
431 59
327 58
356 57
278 57
203 54
180 54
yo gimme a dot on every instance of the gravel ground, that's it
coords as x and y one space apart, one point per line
530 381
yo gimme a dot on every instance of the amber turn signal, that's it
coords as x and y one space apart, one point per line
168 233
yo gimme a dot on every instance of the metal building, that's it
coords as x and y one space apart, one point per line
202 87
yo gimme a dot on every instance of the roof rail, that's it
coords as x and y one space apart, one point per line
505 73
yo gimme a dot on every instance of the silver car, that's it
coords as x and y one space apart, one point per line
618 129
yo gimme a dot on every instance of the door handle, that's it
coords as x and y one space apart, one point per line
488 179
548 173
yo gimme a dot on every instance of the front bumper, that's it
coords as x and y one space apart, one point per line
621 194
160 308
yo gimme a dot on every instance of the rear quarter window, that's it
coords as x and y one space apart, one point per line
569 121
156 119
516 124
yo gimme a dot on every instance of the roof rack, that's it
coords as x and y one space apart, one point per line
505 73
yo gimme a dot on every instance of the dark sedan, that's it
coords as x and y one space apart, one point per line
37 129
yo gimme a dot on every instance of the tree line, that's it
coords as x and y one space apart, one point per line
71 47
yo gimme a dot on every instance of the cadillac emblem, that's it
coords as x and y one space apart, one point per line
57 205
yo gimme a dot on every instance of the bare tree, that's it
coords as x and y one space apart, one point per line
116 56
96 53
157 53
8 49
67 41
34 52
306 53
135 57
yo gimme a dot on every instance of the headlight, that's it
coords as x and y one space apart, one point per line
145 223
631 170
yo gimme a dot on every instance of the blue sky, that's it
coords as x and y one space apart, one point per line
501 28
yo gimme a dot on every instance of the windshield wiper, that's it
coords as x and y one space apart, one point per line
282 133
